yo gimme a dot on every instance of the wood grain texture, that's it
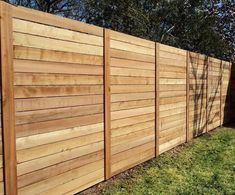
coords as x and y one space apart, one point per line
172 97
133 69
59 101
107 104
8 110
81 103
157 106
187 96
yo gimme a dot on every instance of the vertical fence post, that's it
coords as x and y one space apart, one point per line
157 117
207 91
229 92
8 110
187 95
107 102
221 97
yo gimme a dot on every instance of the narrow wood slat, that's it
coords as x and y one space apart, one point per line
157 102
8 110
187 96
207 92
221 97
107 104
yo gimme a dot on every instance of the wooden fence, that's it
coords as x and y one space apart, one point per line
82 103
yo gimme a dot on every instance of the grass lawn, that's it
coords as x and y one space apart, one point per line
206 165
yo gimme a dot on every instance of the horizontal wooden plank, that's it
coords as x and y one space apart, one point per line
172 87
85 181
123 80
57 136
132 104
115 53
166 94
115 62
58 113
40 163
172 112
56 45
132 161
132 96
132 112
136 142
171 49
58 124
29 53
115 89
51 79
132 120
54 67
170 100
128 138
132 152
172 81
56 91
133 128
131 73
42 174
37 29
172 143
131 39
58 180
56 102
53 148
132 48
175 105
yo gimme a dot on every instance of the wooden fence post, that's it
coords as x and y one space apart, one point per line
207 91
157 101
107 104
221 97
8 110
187 95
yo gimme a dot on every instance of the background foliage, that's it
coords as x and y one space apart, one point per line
204 26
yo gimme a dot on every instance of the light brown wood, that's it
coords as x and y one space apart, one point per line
8 110
107 103
43 30
157 102
90 102
207 93
187 96
52 20
221 89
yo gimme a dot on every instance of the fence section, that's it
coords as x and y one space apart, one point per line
172 97
58 86
214 89
198 94
226 92
81 103
132 78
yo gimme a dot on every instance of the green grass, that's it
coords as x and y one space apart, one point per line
204 166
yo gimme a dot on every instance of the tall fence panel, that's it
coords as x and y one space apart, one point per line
132 101
58 85
172 95
225 92
198 94
80 103
214 88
